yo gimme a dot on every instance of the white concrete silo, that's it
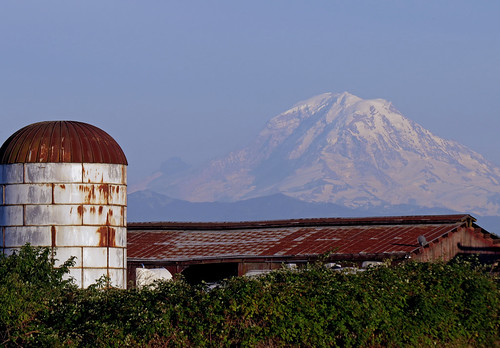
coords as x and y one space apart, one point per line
64 185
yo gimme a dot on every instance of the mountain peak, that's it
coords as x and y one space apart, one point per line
339 148
320 100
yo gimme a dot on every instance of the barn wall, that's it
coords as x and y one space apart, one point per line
465 240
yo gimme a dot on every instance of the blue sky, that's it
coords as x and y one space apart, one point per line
197 79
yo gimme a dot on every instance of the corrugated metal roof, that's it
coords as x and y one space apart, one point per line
61 142
191 241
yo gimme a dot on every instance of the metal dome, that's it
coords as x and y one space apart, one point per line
61 142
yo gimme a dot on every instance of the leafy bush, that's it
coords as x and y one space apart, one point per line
412 305
29 285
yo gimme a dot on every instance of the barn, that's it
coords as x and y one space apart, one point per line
213 251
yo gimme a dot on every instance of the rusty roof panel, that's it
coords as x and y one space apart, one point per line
189 241
61 142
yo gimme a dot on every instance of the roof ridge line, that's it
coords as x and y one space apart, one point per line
351 221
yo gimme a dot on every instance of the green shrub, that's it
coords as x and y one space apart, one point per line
29 285
411 305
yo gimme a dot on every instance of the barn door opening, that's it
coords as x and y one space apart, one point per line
210 272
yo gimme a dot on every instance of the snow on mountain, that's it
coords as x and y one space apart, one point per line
339 148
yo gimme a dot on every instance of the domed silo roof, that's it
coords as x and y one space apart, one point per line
61 142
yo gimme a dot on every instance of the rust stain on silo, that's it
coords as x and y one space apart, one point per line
80 210
104 191
86 198
108 217
92 210
103 236
111 237
101 208
91 192
53 236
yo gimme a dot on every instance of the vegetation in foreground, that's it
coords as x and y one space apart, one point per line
416 304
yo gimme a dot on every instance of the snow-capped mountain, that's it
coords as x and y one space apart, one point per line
339 148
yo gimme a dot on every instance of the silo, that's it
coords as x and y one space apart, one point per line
64 186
